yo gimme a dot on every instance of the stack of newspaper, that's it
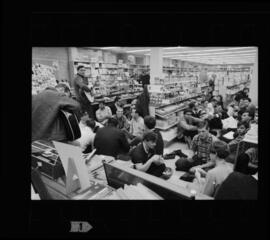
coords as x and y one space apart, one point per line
134 192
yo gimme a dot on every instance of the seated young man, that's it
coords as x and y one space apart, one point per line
187 126
150 123
219 173
202 146
121 119
103 113
145 158
111 141
136 128
242 128
246 117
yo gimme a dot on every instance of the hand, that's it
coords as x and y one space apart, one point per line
157 159
193 169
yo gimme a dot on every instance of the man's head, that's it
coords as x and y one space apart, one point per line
256 117
187 114
112 122
81 70
214 102
90 122
149 122
244 102
246 116
204 103
242 127
203 130
221 149
246 91
191 106
62 88
150 139
218 108
101 105
119 112
219 98
134 114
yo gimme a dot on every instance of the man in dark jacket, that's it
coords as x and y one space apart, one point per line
150 123
46 122
111 141
80 84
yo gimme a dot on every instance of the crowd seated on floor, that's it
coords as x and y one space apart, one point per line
214 134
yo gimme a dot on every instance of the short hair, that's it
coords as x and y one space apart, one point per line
249 113
246 98
120 109
102 101
90 123
241 123
203 124
64 86
187 111
241 164
213 100
221 148
150 136
245 89
117 98
150 122
79 67
191 105
112 122
136 111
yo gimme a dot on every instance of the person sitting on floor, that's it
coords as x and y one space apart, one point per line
136 128
144 157
103 113
219 173
121 119
201 146
150 123
242 128
194 108
246 117
111 141
88 131
187 126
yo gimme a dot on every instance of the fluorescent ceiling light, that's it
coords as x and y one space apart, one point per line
214 56
213 50
217 53
168 48
108 48
141 50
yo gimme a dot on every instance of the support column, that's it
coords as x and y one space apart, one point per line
156 64
253 90
156 70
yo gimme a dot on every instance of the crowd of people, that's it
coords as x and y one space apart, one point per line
215 164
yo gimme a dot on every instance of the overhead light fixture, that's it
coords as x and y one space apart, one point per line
217 53
140 50
105 48
169 48
213 50
214 56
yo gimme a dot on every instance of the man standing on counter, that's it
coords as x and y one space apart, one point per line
80 84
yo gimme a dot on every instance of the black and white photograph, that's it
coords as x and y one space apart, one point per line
144 123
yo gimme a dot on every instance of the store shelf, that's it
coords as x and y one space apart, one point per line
168 137
167 114
167 127
182 100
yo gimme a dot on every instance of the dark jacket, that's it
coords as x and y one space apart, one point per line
238 186
110 141
46 123
80 85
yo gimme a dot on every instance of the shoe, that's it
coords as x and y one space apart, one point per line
180 154
169 156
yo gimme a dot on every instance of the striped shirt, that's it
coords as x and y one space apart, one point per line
202 146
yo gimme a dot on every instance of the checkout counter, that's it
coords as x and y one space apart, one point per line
106 177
